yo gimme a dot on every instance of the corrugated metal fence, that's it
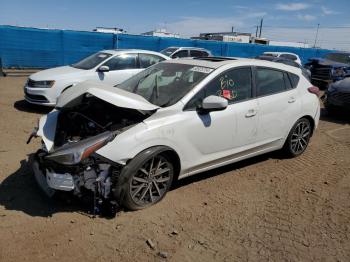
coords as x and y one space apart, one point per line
44 48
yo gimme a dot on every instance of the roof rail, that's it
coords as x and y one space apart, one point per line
215 58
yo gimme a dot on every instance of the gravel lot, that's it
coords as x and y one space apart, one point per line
263 209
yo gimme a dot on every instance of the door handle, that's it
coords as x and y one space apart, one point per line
291 100
251 113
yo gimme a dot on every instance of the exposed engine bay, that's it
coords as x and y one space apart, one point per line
92 117
72 164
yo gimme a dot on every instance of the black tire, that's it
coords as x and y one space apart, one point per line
145 180
298 138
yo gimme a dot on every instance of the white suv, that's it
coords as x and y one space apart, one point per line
180 52
175 119
108 66
285 55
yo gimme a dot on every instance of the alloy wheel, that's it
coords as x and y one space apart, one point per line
300 137
151 181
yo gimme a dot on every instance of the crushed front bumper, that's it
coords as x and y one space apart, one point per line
50 181
40 178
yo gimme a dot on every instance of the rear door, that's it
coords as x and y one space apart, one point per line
278 104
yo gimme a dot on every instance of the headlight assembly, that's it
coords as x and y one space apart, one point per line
71 154
42 84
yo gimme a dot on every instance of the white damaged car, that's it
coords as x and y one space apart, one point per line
127 144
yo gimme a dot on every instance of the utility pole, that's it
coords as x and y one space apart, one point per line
261 24
318 27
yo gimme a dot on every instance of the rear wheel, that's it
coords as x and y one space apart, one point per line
298 138
145 180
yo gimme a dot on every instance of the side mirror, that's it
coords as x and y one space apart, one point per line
103 69
213 103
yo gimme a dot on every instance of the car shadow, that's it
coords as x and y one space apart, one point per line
24 106
20 192
337 117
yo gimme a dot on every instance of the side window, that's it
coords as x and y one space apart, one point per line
235 85
204 54
294 79
196 53
288 56
269 81
127 61
146 60
181 53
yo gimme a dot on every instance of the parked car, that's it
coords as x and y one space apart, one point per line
337 96
179 52
331 68
175 119
108 66
285 61
285 55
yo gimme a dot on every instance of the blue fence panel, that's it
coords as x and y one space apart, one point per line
137 42
77 45
30 48
43 48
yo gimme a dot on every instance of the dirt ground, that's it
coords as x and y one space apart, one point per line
263 209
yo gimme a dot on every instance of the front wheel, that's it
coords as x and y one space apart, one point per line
298 138
145 180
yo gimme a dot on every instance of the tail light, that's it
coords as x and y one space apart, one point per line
314 90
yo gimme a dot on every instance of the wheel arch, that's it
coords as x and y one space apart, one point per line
312 122
168 151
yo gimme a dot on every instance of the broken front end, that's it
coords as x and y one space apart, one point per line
71 135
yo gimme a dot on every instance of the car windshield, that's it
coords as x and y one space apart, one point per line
168 51
91 61
165 83
338 57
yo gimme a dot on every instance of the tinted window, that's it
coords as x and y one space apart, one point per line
269 81
127 61
289 56
234 85
287 81
197 53
146 60
294 79
181 53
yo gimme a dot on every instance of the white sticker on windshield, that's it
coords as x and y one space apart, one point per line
102 55
201 69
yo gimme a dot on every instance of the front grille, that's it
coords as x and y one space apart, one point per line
344 97
322 73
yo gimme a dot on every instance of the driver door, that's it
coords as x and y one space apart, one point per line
121 67
220 134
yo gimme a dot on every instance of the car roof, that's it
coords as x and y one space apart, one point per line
216 62
121 51
280 53
189 48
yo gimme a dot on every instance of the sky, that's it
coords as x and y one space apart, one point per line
283 20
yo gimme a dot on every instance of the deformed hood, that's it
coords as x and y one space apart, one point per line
113 95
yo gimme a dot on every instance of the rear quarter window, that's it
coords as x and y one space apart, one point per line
294 79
